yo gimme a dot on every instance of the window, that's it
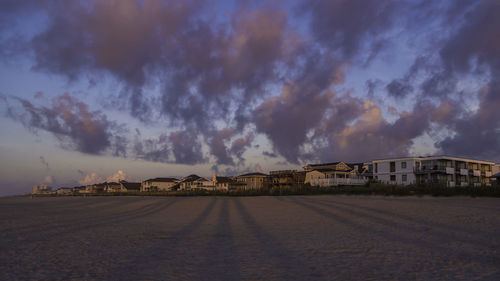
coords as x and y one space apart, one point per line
403 178
376 167
393 177
403 165
393 167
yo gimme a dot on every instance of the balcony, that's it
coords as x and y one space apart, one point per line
464 184
464 172
487 174
450 171
451 184
476 173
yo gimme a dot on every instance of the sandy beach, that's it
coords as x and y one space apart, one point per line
250 238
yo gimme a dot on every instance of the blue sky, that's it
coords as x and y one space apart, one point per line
169 88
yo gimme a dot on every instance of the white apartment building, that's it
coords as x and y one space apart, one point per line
449 170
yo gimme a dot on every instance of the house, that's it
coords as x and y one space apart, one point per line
287 178
158 184
191 182
95 188
254 180
65 191
41 189
337 173
129 186
220 184
449 170
112 187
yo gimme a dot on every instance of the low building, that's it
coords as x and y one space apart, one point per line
448 170
254 180
158 184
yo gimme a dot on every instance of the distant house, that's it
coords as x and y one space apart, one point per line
158 184
129 186
95 188
112 187
254 180
337 173
65 191
79 189
191 182
220 184
41 189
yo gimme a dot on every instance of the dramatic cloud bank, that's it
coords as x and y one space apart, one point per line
214 81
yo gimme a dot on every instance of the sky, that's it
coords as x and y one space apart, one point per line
122 89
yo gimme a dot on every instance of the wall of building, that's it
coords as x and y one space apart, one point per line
382 172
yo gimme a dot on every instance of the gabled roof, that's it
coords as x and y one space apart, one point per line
192 177
131 185
324 164
255 174
224 179
162 180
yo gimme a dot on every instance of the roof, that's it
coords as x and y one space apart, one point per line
497 175
190 178
328 170
224 179
131 185
324 164
437 157
256 174
162 180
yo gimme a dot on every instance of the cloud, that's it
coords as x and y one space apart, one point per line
259 70
72 123
45 164
91 178
118 176
350 26
49 180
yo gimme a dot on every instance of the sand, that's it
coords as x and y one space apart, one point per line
250 238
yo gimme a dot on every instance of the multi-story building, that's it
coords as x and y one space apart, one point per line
449 170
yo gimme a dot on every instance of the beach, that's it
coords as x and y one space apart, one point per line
250 238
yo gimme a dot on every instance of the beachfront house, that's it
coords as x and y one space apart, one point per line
447 170
285 179
254 180
220 184
112 187
158 184
191 182
336 173
126 186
